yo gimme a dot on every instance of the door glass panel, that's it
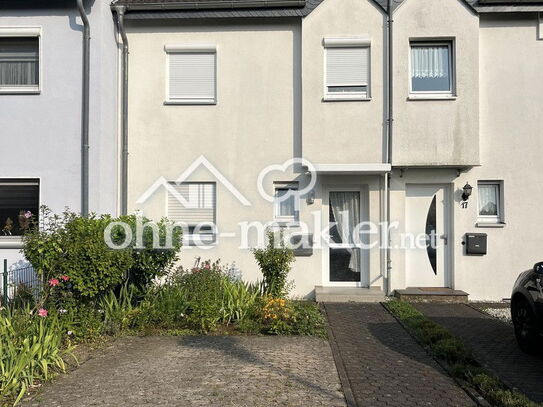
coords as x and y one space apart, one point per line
431 240
344 255
343 265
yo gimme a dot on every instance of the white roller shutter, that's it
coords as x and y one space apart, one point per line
199 206
347 66
192 76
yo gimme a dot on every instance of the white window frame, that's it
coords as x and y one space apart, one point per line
277 207
352 42
18 32
492 219
180 49
451 93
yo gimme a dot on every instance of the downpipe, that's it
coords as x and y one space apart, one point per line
85 111
390 128
120 11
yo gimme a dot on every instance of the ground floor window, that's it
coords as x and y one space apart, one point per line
194 205
19 205
490 196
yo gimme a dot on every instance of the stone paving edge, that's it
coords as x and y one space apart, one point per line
340 366
468 389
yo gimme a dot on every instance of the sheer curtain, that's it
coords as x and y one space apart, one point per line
430 61
18 61
488 200
346 210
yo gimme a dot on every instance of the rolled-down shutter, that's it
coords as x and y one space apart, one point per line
347 66
198 205
192 76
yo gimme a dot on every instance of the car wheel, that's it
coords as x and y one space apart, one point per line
525 326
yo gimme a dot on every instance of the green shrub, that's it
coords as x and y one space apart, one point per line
30 350
275 262
74 246
150 262
307 319
287 317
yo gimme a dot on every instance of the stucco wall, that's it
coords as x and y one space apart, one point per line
41 134
342 132
437 132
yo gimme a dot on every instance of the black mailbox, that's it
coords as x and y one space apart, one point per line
302 244
476 243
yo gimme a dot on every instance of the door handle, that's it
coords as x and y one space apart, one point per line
445 238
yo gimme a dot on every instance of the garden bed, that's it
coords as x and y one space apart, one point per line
456 358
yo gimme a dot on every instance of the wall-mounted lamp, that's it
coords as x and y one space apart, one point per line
466 192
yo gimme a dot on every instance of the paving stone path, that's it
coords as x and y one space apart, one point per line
493 344
384 364
202 371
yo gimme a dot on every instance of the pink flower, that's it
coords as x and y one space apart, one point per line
64 278
28 214
42 312
53 282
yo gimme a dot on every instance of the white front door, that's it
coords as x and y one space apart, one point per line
427 236
344 258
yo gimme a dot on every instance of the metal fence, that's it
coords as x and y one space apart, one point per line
20 282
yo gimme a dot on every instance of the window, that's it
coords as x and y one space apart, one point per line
19 60
432 67
19 205
286 204
194 205
191 75
490 201
347 68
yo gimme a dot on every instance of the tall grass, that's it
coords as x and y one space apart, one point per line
30 351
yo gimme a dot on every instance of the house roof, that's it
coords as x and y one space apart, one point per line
181 9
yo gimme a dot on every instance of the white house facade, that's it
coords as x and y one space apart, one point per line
398 141
248 87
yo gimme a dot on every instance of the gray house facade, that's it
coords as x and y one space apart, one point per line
42 112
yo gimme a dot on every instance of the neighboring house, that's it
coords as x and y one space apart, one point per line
41 112
250 84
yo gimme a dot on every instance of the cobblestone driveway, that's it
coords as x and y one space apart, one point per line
384 364
493 343
202 371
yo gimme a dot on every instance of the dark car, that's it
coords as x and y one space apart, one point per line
527 309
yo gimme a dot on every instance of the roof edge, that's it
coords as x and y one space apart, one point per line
212 5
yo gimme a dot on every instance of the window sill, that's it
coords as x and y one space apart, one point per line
490 224
286 223
20 91
191 102
346 99
11 242
200 240
431 97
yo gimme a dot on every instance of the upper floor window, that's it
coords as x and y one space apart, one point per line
347 68
490 196
19 63
191 74
19 205
432 67
286 202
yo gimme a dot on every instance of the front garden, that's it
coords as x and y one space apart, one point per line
91 291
